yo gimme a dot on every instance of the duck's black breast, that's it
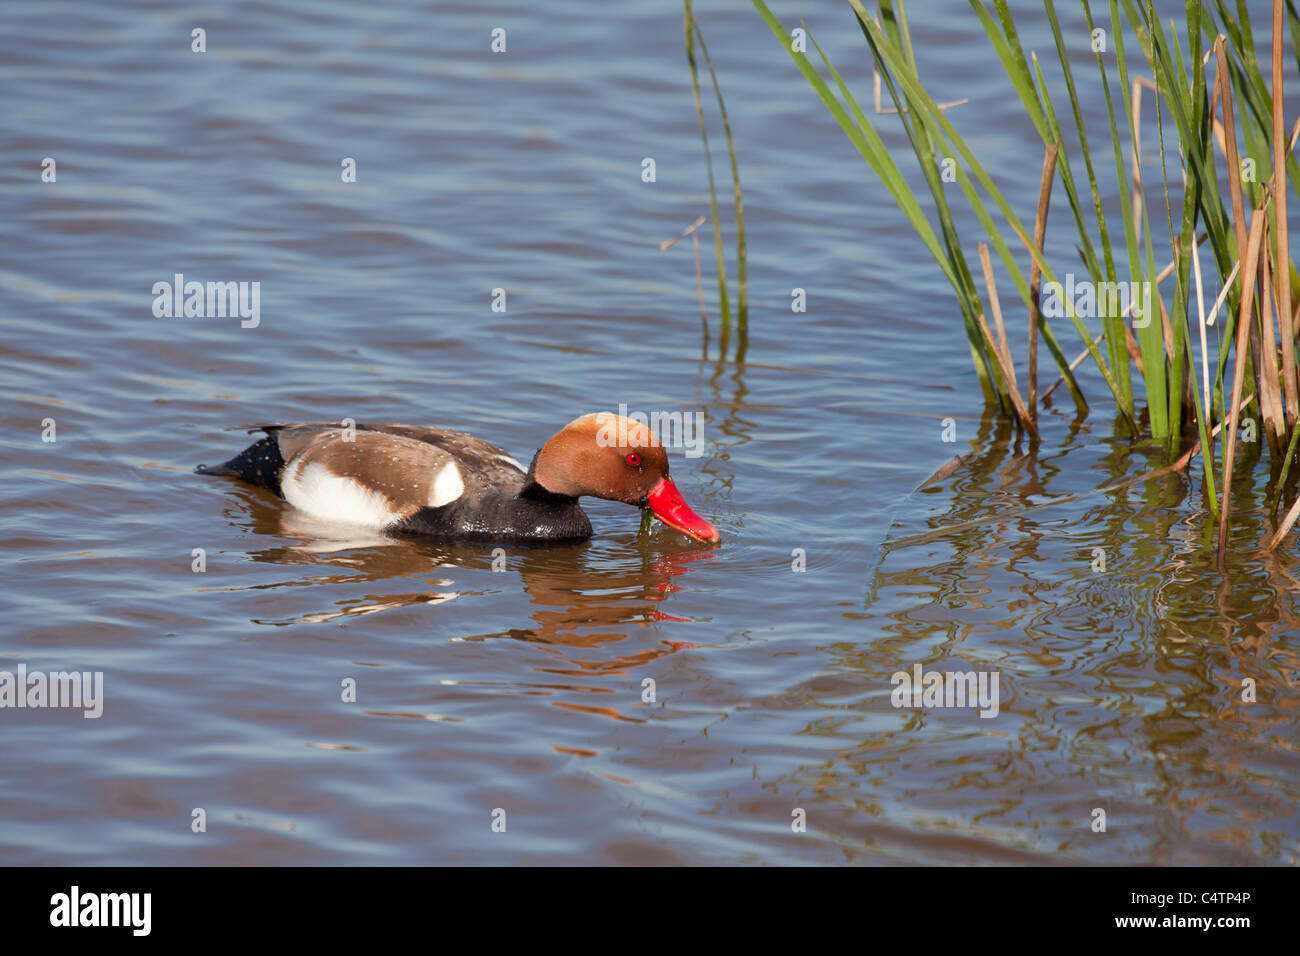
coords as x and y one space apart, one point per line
500 517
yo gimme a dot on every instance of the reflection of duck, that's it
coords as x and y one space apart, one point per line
581 595
406 480
595 616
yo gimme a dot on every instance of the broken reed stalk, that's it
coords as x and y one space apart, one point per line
1239 374
1283 257
1000 349
1287 522
886 111
1036 273
1270 389
1286 470
1223 293
699 273
995 306
1294 511
1135 130
699 294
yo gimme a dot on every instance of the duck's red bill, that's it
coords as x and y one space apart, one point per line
671 508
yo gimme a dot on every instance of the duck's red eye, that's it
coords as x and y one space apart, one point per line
633 459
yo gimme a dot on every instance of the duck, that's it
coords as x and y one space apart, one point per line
409 480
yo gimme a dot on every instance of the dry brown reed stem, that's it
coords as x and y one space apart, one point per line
1167 329
885 111
1223 293
1002 353
1270 390
1036 273
1135 350
1285 526
699 275
699 292
1283 259
1135 132
689 230
1239 372
995 306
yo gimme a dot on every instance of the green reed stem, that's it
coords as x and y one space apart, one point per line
692 30
742 268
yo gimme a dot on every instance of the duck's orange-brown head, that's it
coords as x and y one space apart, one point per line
617 458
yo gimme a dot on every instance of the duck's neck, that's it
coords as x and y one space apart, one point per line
534 493
547 514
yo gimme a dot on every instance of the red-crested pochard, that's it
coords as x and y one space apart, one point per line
404 479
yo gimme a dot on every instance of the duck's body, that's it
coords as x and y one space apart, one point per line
404 479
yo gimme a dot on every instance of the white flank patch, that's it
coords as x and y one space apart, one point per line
510 461
322 494
447 486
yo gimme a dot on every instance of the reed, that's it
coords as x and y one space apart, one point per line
1226 164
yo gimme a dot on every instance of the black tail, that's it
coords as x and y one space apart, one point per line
259 464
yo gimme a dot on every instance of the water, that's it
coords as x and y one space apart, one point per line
521 689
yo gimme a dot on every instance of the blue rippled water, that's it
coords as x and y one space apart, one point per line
522 689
